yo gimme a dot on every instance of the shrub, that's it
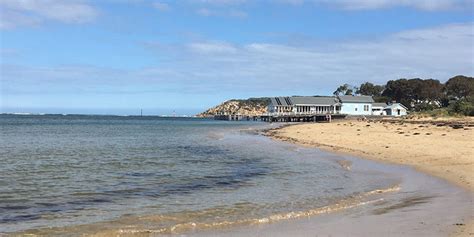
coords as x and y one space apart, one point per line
464 106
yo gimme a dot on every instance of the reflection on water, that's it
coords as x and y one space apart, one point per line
162 175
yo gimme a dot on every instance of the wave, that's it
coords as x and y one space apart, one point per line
213 218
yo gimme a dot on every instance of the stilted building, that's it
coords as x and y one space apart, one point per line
305 105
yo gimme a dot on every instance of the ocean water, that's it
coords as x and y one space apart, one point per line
73 175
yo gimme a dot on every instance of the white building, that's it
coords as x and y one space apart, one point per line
395 109
305 105
348 104
378 108
356 105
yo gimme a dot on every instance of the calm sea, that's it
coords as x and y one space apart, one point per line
87 174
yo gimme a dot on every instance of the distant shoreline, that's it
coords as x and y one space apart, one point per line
440 151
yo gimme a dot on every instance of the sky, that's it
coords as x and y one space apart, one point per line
120 56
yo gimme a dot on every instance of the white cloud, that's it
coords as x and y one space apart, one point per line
212 48
424 5
221 12
204 12
292 2
210 67
219 2
161 6
31 12
439 53
238 13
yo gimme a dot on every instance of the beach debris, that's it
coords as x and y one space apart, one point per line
459 224
457 126
401 132
428 133
416 133
387 147
345 164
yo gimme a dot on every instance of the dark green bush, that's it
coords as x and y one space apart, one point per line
463 106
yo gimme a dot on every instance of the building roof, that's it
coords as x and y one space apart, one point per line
321 100
281 101
304 100
314 100
379 105
356 99
395 105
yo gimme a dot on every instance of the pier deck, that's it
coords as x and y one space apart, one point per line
282 117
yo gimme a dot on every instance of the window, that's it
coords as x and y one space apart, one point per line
366 107
356 109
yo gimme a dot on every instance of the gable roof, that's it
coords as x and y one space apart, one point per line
304 100
395 105
281 101
356 99
314 100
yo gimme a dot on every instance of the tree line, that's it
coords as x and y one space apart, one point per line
456 96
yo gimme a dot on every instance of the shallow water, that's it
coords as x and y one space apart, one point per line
89 174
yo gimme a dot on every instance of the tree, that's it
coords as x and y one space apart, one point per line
460 87
463 106
397 90
345 89
405 91
370 89
430 91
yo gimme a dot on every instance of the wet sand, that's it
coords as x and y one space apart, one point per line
441 151
423 206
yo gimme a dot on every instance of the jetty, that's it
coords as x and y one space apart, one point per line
282 117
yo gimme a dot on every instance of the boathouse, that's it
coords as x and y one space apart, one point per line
304 105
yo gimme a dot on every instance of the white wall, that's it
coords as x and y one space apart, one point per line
394 112
356 108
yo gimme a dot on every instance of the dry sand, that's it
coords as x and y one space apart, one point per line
441 151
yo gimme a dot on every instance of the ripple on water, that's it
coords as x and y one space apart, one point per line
72 171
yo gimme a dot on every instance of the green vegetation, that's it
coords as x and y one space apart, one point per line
455 97
345 89
254 101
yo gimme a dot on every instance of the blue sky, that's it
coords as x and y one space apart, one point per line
117 56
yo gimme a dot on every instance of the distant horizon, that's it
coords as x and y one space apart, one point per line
149 111
98 111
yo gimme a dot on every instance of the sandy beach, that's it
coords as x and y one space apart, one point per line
434 148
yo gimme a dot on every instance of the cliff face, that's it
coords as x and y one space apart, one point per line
252 106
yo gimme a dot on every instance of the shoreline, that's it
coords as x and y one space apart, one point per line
442 150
